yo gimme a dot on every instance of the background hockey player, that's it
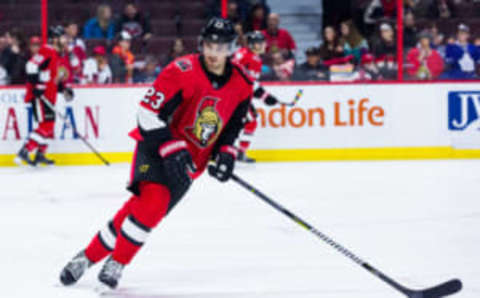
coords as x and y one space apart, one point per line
192 114
249 58
43 84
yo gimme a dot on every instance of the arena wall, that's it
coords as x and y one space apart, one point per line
330 122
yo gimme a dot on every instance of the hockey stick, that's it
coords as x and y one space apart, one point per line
447 288
64 118
298 96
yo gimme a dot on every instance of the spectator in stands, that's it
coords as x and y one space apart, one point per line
122 50
368 70
278 39
312 69
134 22
380 9
418 7
461 55
149 72
13 58
241 37
331 47
243 10
233 13
352 41
385 51
34 46
101 26
409 31
71 30
176 50
76 49
256 19
386 44
444 9
424 63
437 40
96 69
282 68
409 5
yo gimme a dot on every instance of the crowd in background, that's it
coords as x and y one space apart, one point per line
359 43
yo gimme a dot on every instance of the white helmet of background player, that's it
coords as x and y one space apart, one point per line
256 42
217 41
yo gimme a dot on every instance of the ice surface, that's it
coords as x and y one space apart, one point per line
417 221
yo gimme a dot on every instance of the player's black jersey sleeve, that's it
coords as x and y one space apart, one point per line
234 126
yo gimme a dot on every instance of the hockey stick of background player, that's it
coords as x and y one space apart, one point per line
64 118
448 288
298 96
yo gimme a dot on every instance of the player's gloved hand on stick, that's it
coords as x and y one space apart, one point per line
68 94
178 162
222 169
266 97
270 100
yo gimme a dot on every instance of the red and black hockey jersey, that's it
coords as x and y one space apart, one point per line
250 61
42 71
188 103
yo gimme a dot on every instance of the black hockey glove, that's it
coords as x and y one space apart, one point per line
224 164
68 94
266 97
66 90
178 162
270 100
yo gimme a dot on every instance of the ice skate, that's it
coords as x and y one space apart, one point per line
40 158
110 273
23 157
75 269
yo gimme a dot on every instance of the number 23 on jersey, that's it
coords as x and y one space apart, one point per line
153 98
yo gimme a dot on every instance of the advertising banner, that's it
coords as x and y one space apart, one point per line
379 121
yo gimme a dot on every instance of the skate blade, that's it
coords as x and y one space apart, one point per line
43 165
21 163
18 161
103 290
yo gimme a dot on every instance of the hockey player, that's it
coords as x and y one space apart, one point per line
192 114
249 58
43 84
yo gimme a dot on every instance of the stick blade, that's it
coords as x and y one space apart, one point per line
447 288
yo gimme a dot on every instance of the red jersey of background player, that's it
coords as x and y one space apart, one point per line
45 65
203 108
250 61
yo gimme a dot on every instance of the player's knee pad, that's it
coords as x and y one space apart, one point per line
152 204
46 129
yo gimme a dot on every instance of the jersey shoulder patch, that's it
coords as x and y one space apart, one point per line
184 64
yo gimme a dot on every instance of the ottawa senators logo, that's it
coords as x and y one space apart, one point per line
207 123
